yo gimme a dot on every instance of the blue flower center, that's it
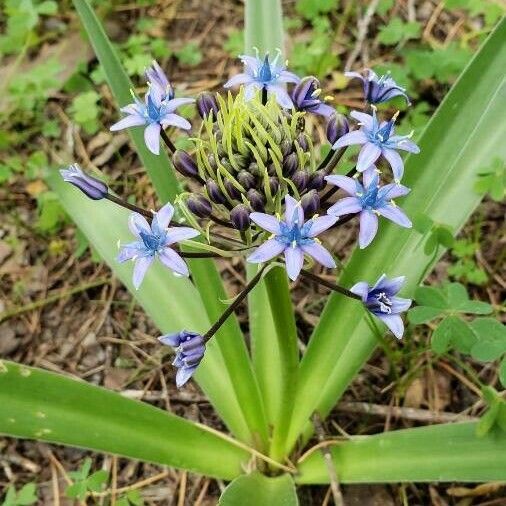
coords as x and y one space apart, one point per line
152 242
265 74
382 134
295 235
380 302
153 113
369 200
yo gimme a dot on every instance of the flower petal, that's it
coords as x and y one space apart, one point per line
369 175
239 79
171 119
172 105
173 339
399 305
320 254
390 286
395 214
130 251
173 261
282 97
162 218
361 288
131 120
266 251
348 184
285 76
392 191
368 228
367 156
320 224
293 211
137 224
140 268
183 375
294 259
152 138
348 205
394 323
324 110
267 222
405 144
363 118
395 161
355 137
177 234
250 90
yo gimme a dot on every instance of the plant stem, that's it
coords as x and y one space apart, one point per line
331 160
230 309
264 95
131 207
330 285
167 141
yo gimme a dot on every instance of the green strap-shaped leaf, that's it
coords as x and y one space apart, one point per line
465 135
206 278
41 405
158 167
449 452
173 303
255 489
263 20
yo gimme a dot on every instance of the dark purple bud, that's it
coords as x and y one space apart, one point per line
253 169
256 199
274 185
317 180
310 202
303 92
337 127
290 164
239 216
93 188
232 191
184 164
300 180
286 147
214 192
199 206
302 140
206 104
246 179
271 170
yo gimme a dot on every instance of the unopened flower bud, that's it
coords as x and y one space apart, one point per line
92 187
206 104
286 147
184 164
199 206
302 140
253 169
290 164
317 180
226 163
310 203
274 185
232 191
246 179
214 192
256 199
337 127
239 216
300 180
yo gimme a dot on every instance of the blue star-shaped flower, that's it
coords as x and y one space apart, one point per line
370 200
293 237
382 302
379 89
154 241
262 74
377 139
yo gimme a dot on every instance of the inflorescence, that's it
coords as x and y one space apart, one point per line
253 175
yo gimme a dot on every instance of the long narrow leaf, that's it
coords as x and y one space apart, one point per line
173 303
158 167
38 404
449 452
263 21
463 137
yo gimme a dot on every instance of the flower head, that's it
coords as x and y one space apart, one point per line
262 74
155 113
155 76
93 188
377 139
154 241
293 237
379 89
190 348
382 302
370 200
305 97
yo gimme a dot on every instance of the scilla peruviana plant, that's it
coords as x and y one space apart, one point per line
255 188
